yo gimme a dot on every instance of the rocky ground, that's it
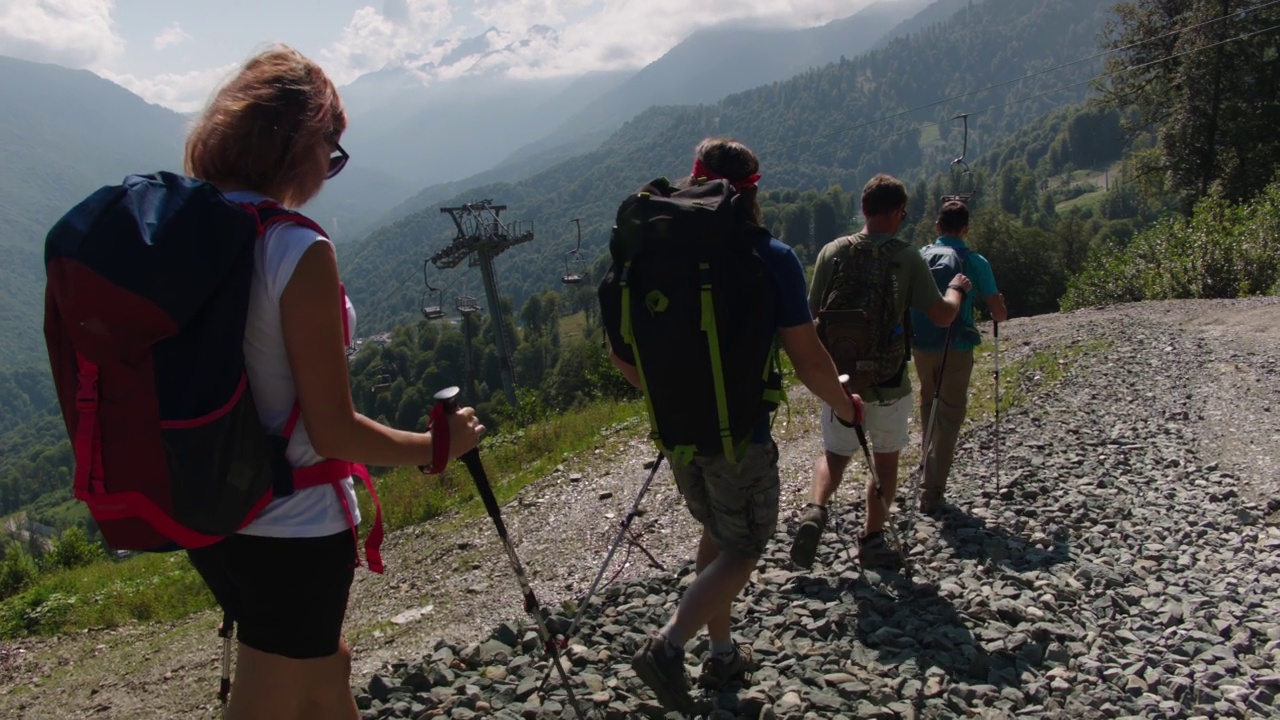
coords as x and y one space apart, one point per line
1127 566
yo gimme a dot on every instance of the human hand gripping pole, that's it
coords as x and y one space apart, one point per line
446 404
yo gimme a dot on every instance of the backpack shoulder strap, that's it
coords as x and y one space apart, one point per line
270 214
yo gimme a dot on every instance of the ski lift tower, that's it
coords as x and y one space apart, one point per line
467 306
482 236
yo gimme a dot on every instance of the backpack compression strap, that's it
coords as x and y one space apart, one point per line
717 370
628 336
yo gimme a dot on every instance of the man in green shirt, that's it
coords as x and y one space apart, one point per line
888 403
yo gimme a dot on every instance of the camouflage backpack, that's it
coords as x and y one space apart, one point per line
856 317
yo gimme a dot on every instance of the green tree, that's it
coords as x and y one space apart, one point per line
17 571
1208 76
73 550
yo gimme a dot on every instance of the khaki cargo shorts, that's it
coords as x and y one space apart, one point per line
737 504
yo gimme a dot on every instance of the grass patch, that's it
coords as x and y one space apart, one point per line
143 588
1022 380
512 461
161 587
1090 200
573 326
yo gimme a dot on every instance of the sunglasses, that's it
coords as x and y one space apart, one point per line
337 161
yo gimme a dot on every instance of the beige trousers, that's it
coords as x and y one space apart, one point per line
953 402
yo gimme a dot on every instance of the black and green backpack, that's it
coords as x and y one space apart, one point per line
695 303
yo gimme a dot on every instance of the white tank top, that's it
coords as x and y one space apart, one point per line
310 512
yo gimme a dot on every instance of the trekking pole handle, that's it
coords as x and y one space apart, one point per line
446 405
858 411
448 397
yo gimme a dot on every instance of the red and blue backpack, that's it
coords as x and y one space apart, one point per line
146 301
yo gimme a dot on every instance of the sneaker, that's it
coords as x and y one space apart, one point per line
874 552
664 673
720 670
813 520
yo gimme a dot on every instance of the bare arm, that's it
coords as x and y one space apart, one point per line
944 311
814 368
627 369
313 339
995 303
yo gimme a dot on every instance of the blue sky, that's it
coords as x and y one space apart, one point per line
175 52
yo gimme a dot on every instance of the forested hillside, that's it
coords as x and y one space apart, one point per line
50 157
833 125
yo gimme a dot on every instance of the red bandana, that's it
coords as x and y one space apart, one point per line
702 171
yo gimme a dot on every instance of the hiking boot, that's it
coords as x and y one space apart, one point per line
874 552
813 520
720 670
664 673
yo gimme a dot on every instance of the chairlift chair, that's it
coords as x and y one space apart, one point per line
575 268
467 304
431 307
963 196
431 310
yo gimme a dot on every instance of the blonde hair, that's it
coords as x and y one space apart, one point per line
263 129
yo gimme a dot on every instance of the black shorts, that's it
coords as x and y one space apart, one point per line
287 596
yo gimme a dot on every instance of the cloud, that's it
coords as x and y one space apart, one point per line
75 33
397 11
372 39
172 35
627 35
424 35
183 92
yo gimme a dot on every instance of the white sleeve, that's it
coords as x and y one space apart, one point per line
285 244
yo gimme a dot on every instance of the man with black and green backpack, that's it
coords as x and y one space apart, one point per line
695 305
863 285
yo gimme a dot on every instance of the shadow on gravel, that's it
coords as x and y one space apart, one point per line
971 538
923 628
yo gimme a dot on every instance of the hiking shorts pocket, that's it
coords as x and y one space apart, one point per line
737 504
287 596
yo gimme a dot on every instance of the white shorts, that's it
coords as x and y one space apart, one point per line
885 423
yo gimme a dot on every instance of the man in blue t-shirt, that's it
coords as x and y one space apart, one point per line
736 503
953 386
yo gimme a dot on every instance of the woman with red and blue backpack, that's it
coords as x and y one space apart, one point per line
271 136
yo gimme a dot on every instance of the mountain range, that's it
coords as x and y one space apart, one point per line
428 120
63 133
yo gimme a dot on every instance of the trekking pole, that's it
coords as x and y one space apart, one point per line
926 442
448 398
875 482
622 531
995 333
224 687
